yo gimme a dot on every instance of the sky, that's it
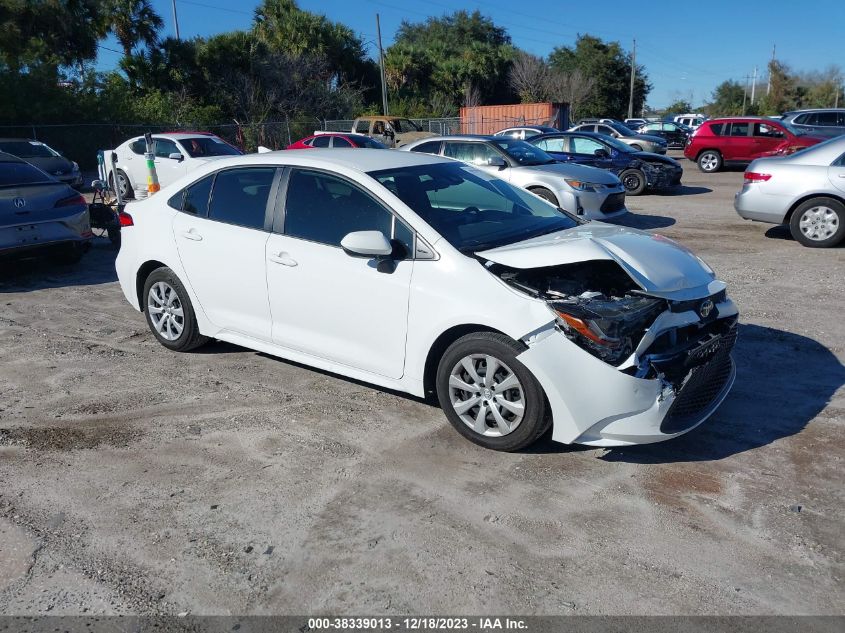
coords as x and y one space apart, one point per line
687 48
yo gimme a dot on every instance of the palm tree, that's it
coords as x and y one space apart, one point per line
133 22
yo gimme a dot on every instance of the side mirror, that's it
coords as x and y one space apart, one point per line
602 153
497 161
175 156
366 244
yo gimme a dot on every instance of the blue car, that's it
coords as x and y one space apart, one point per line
638 171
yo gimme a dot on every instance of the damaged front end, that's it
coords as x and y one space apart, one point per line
681 345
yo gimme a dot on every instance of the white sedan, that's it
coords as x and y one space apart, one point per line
429 276
176 154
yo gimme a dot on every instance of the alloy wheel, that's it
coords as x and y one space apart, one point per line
819 223
709 162
487 395
165 310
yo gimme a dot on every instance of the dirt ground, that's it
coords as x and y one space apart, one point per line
136 481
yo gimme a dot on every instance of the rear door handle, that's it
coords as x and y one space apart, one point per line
192 235
842 175
284 259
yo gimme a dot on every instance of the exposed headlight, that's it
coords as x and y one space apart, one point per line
581 185
608 328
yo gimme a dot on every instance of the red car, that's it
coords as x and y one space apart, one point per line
339 139
741 140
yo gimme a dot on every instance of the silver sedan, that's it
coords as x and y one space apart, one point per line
805 190
588 192
639 142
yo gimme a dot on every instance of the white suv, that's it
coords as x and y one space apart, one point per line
176 154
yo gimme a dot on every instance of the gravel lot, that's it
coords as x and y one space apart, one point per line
136 481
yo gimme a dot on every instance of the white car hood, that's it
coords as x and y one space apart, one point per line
660 266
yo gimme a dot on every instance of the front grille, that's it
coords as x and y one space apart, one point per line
710 373
614 202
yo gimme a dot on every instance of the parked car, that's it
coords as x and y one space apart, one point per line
583 191
805 190
633 124
176 154
675 134
390 130
45 158
692 121
526 132
39 214
640 142
336 140
740 140
821 122
517 315
638 171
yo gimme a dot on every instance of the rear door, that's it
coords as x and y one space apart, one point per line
737 144
766 138
837 173
221 234
557 147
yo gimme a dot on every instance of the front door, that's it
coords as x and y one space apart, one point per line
766 139
168 169
326 303
478 154
584 150
220 235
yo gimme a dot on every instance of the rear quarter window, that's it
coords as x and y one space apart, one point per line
716 129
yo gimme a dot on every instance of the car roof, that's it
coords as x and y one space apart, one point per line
739 118
462 137
814 110
10 158
178 136
12 138
361 160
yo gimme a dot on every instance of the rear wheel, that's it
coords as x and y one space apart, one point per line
709 161
123 183
488 395
818 223
634 181
545 194
169 312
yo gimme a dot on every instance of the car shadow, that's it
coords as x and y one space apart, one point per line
643 222
783 382
780 232
681 190
38 271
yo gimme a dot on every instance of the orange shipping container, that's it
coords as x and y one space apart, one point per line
490 119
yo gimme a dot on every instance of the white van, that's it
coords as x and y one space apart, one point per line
693 121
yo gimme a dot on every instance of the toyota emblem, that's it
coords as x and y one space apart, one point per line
706 308
19 203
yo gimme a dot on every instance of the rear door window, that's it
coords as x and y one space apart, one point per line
739 129
339 141
554 144
196 197
474 153
826 118
431 147
138 146
717 128
239 196
321 141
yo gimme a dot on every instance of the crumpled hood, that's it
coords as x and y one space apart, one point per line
575 171
660 266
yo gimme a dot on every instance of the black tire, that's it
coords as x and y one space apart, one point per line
831 209
637 148
190 337
634 181
536 417
68 254
545 194
114 238
128 193
709 161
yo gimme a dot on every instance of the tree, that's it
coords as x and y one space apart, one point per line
610 67
133 22
456 56
783 94
681 105
727 99
530 77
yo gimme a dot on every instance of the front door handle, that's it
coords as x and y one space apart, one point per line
842 175
192 235
284 259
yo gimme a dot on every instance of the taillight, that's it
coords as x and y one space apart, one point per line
125 219
753 176
71 201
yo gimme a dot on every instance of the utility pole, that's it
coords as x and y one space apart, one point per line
745 94
381 65
633 76
175 20
753 85
769 84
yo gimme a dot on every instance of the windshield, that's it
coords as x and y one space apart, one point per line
523 153
14 173
624 131
618 145
470 209
208 146
27 149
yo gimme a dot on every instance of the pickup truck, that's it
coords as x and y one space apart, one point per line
390 130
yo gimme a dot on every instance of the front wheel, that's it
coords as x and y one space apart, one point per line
818 223
169 312
545 194
488 395
637 148
634 181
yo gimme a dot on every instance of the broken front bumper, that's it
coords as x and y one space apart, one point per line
597 404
